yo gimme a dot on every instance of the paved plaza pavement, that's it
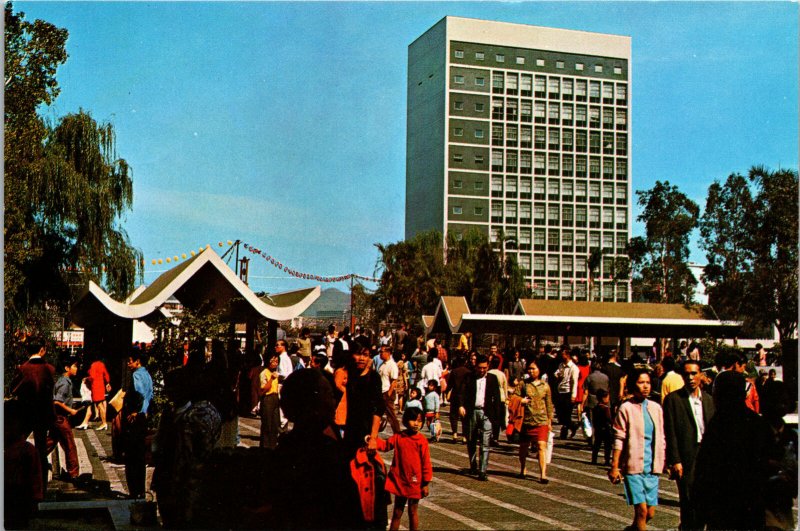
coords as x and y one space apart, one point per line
579 495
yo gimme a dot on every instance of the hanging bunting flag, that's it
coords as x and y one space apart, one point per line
307 276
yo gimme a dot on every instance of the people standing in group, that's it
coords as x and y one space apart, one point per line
687 413
583 372
414 399
330 341
494 368
187 434
365 402
99 382
567 375
639 448
602 427
431 371
418 360
480 408
411 470
270 404
32 386
401 382
432 402
596 381
515 369
285 366
61 430
384 339
465 342
615 374
694 352
732 463
761 355
23 486
400 341
455 381
671 381
537 419
388 373
135 408
304 342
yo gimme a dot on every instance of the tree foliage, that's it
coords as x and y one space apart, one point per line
659 261
416 272
725 236
774 232
749 231
65 187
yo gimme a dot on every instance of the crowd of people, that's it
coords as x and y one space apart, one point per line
323 406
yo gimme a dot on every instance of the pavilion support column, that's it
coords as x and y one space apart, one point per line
250 337
623 347
272 334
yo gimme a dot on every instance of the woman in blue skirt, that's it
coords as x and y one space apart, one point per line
639 448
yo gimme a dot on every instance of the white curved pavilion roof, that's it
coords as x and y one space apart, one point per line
204 279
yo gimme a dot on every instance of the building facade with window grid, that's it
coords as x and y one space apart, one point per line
524 132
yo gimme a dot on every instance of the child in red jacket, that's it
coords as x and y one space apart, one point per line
411 469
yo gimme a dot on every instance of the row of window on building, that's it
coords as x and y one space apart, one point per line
540 62
563 190
578 291
564 266
562 240
554 139
554 88
541 214
546 164
567 115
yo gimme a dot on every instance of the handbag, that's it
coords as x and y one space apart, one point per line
586 425
117 401
86 392
550 440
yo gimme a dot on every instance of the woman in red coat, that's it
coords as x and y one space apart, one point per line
99 382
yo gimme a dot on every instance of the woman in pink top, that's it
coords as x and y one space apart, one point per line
639 448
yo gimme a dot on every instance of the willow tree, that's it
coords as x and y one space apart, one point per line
66 189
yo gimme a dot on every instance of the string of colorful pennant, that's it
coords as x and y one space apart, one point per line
184 256
300 274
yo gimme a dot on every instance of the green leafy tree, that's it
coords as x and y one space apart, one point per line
660 259
414 274
725 236
774 233
65 190
411 277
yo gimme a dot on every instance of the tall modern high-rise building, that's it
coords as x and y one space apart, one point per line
523 132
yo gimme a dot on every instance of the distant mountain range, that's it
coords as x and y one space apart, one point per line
332 303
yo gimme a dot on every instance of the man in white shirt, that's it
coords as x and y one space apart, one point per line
480 407
687 413
389 372
285 365
567 375
431 371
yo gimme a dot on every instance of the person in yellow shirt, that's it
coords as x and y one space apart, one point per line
270 406
672 381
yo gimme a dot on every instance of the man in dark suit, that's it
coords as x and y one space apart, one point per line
687 412
480 408
33 387
614 371
455 383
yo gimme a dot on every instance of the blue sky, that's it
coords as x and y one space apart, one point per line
283 124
